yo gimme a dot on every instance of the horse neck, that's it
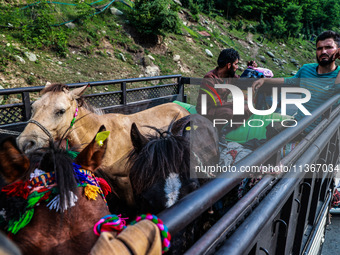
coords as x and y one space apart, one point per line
84 128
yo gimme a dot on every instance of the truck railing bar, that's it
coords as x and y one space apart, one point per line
152 87
194 204
244 236
316 226
94 83
223 226
306 141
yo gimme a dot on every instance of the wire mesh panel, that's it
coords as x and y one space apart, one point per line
104 100
10 115
149 93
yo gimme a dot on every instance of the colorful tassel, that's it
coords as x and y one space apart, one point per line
104 186
15 226
55 202
19 189
165 235
91 192
109 223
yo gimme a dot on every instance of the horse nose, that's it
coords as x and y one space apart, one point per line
29 145
26 145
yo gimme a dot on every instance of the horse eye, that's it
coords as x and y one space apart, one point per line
60 112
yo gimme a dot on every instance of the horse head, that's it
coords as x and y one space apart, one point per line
48 196
159 168
52 115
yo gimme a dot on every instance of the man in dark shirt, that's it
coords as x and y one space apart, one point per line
217 105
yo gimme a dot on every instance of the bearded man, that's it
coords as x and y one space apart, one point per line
322 79
218 106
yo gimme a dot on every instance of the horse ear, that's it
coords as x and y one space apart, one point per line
138 140
13 163
91 157
76 93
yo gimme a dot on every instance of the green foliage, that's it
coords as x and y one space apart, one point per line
286 18
155 17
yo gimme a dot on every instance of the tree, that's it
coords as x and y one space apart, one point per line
154 17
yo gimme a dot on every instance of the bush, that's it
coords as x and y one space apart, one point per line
155 17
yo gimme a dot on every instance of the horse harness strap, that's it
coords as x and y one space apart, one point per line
42 128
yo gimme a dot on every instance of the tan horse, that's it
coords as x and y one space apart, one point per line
57 107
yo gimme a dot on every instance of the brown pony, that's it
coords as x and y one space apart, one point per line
58 106
52 208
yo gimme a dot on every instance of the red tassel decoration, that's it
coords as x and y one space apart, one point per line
18 189
104 186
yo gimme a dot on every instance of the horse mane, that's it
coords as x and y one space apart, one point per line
53 158
60 87
164 153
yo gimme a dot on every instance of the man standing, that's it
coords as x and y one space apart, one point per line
321 79
217 105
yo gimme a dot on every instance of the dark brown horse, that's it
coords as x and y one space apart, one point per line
163 164
53 203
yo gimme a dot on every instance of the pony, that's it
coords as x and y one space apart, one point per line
59 107
162 165
53 203
162 168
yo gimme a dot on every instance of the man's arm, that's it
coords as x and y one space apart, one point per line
259 82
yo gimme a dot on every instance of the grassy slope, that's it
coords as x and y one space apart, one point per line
94 52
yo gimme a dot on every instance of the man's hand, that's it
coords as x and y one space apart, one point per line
257 84
336 55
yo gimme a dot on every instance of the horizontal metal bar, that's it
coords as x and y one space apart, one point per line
245 235
221 228
153 87
190 207
95 83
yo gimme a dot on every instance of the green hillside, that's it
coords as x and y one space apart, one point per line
108 46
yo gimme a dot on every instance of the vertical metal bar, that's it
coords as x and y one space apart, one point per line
180 89
27 106
123 89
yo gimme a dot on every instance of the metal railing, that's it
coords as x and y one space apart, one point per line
277 216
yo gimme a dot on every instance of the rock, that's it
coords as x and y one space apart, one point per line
300 47
31 56
251 42
60 63
152 71
176 58
20 59
185 23
109 53
78 58
178 2
115 11
292 60
122 57
293 73
259 44
13 100
283 45
284 61
208 52
262 59
270 54
47 84
211 45
70 25
151 57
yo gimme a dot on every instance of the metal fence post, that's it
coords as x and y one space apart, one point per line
123 89
27 106
180 90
